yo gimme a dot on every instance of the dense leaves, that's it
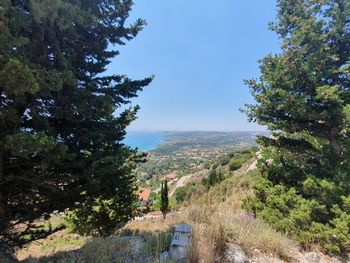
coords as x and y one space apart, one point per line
303 97
60 135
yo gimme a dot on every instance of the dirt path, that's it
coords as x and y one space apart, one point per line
249 166
156 214
181 182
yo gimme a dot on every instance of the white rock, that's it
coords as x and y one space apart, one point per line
312 257
235 254
181 243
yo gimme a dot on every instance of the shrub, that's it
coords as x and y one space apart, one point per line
235 164
184 193
309 220
214 178
224 160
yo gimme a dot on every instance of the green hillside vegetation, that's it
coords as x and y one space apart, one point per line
221 168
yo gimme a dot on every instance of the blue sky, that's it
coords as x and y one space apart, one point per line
200 52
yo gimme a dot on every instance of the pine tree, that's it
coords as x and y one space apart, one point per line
164 199
60 136
303 97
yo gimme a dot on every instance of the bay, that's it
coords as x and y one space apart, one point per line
144 140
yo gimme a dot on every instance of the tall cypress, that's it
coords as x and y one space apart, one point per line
303 97
60 136
164 199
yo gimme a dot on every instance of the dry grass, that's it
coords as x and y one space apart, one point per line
156 224
109 249
156 243
55 243
216 218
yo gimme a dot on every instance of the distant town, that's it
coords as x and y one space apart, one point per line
190 152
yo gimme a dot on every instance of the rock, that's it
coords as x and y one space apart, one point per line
182 236
312 257
181 242
235 254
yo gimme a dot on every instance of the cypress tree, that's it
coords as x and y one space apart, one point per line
164 199
60 137
303 97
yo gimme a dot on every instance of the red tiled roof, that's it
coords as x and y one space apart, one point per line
145 194
171 176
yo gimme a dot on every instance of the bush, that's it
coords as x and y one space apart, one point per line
184 193
224 160
214 178
309 220
235 164
97 216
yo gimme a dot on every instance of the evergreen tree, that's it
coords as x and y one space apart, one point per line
164 199
213 178
303 97
60 136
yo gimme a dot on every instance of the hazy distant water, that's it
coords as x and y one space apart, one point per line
144 141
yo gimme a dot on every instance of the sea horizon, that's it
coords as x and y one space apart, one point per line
150 140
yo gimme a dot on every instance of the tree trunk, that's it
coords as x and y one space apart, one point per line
334 142
2 176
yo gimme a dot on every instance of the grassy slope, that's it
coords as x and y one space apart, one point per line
217 219
215 215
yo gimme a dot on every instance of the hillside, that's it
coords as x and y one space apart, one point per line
214 212
214 172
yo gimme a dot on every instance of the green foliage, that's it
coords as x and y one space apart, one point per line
303 98
184 193
305 219
224 160
213 178
60 136
164 198
239 158
235 164
156 201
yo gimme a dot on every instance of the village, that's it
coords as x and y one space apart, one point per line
183 158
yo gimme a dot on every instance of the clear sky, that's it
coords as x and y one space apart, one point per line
200 52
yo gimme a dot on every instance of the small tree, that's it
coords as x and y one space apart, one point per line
164 201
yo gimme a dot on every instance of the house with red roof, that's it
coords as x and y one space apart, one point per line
171 176
145 198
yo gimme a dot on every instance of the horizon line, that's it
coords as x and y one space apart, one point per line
195 130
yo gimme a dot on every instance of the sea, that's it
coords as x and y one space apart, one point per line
144 140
